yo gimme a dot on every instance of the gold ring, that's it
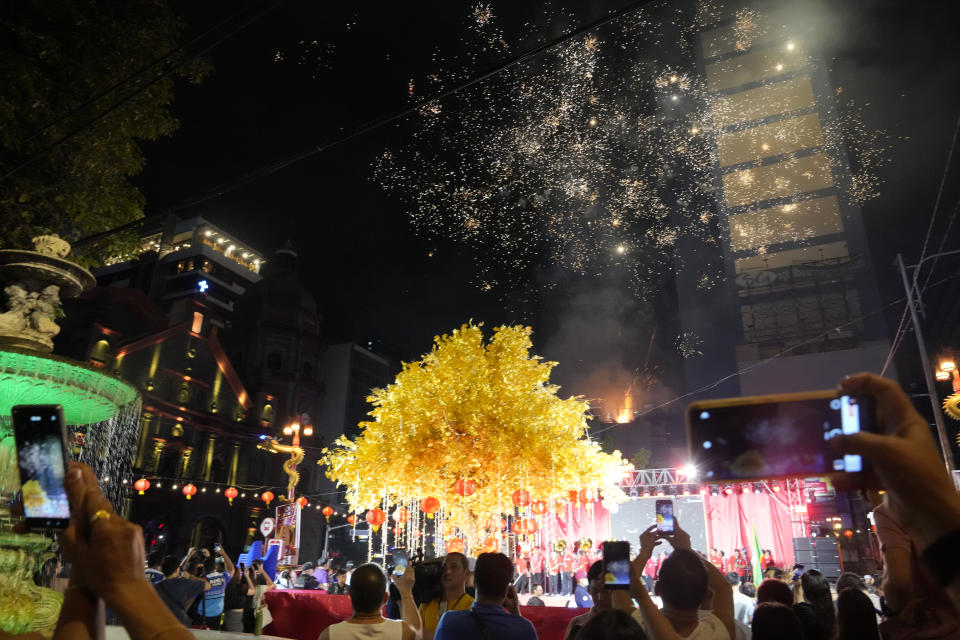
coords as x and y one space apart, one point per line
101 514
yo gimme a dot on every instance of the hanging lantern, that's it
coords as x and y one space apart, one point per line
230 493
521 498
303 502
327 511
430 506
267 496
516 528
848 533
189 490
448 529
539 507
586 495
529 526
466 487
572 495
490 545
396 531
351 519
375 518
141 485
455 545
401 515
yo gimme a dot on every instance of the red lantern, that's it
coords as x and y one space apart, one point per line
141 485
231 493
455 545
396 531
375 518
466 487
327 511
521 498
572 495
529 526
303 502
586 495
189 490
539 507
516 528
401 515
430 506
351 519
490 545
848 533
267 496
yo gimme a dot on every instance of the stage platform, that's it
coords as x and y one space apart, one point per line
303 615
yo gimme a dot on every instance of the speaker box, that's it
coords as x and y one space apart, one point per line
802 544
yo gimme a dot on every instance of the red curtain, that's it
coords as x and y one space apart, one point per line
575 522
731 520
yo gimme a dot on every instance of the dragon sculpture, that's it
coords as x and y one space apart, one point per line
290 466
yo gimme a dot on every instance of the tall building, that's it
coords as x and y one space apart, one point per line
793 247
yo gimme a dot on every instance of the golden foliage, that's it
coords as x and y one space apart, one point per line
476 410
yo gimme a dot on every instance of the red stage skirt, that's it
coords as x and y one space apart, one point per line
303 615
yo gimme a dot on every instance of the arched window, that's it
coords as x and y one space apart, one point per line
266 415
100 352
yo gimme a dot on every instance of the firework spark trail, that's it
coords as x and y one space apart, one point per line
596 156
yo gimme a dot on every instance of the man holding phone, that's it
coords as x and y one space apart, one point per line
211 607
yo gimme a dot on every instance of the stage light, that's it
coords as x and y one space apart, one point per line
660 492
690 472
790 46
646 494
686 492
703 491
308 431
728 490
776 486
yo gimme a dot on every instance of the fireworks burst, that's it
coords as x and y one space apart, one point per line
598 155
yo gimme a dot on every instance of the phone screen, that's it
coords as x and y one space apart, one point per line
665 516
40 434
763 438
616 565
400 561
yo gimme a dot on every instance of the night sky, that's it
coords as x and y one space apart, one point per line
342 66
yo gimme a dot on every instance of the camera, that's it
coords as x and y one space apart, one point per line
427 579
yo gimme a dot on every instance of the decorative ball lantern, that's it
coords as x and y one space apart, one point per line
529 526
848 533
303 502
455 545
327 511
491 545
466 488
539 507
521 498
430 506
141 485
586 495
572 496
516 528
267 496
351 519
230 493
396 531
189 490
401 515
375 518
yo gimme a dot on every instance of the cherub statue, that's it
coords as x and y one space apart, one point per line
46 306
15 320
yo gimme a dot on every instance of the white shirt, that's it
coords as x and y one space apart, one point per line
386 630
742 608
710 627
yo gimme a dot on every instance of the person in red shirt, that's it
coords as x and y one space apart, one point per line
715 558
582 566
739 563
650 572
552 577
536 568
522 581
767 561
723 563
567 567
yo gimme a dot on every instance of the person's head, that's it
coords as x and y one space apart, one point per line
850 580
856 617
682 583
776 621
170 566
722 554
492 574
307 569
733 579
368 588
767 553
155 559
816 591
748 589
210 564
737 552
713 551
538 589
455 570
598 590
772 590
612 624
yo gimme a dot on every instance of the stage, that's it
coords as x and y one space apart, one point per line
303 615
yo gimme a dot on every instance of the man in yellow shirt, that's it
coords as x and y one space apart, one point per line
456 569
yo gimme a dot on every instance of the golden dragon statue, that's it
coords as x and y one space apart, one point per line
289 467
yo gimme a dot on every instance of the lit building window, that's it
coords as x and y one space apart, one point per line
197 322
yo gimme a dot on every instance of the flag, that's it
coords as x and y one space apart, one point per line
756 553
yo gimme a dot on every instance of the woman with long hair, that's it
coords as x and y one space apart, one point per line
856 617
815 606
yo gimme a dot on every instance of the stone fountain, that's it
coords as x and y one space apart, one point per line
101 410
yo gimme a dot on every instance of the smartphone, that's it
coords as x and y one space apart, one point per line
665 516
41 438
775 436
616 565
400 561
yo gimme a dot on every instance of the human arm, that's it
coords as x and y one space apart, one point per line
227 562
658 626
412 626
897 578
108 558
250 587
511 602
270 583
716 581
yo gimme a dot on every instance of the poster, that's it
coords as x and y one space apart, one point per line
288 531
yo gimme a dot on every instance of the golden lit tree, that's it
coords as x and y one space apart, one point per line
475 411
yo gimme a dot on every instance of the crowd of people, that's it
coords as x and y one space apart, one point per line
918 524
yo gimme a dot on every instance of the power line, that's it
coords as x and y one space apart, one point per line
766 361
86 125
376 123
